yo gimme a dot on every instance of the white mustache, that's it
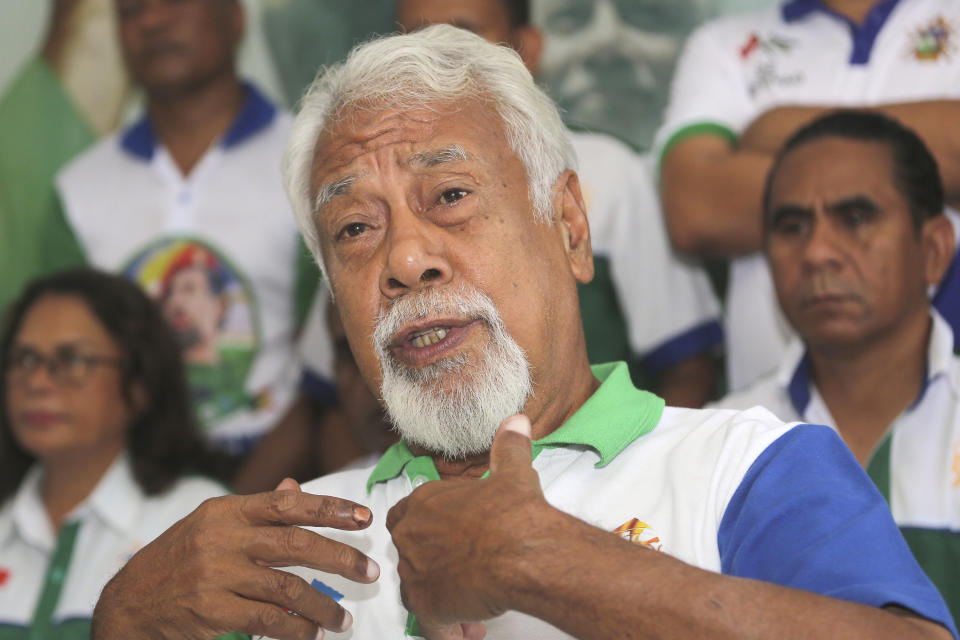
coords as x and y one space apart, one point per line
465 302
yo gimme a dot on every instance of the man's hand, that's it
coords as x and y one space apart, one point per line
461 542
210 573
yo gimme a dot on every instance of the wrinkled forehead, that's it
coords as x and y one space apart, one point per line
410 137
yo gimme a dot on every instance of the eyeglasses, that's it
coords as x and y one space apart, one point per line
67 365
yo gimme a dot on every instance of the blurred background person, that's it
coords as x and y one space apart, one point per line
56 104
745 83
99 449
194 185
855 234
645 305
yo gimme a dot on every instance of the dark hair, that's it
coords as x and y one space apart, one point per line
163 442
915 172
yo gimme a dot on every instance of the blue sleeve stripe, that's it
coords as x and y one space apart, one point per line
319 388
695 341
807 516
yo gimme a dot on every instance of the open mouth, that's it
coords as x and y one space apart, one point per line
428 337
430 341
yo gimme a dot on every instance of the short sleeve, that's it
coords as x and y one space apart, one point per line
807 516
708 94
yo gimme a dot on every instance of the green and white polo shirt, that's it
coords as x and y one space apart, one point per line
50 581
741 493
917 465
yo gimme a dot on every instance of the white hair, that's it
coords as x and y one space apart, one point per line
436 65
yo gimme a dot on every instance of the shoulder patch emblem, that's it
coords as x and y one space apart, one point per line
639 533
933 41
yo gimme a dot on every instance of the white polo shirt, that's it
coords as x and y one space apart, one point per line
49 581
134 212
645 302
916 466
738 493
733 69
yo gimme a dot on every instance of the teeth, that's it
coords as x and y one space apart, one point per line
429 337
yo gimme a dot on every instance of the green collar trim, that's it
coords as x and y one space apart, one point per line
614 416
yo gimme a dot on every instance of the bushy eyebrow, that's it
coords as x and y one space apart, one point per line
859 201
436 157
333 189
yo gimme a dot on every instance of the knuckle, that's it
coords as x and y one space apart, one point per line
270 617
295 540
292 588
279 503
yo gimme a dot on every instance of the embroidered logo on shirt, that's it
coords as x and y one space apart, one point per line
639 533
765 56
933 41
771 44
4 576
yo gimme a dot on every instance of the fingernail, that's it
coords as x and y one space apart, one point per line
373 570
347 620
361 515
519 423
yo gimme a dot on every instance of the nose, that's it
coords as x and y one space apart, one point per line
824 246
416 257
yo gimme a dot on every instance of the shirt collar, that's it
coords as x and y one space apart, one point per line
794 374
799 9
257 112
614 416
117 499
863 35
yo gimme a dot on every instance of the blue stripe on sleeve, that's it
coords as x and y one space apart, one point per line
807 516
693 342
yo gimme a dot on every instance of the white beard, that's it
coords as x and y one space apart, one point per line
452 407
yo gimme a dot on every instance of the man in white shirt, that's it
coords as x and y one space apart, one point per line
855 236
744 83
432 179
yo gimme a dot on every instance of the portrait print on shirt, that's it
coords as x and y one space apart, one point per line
211 307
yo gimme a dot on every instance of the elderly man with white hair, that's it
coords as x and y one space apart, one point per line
431 178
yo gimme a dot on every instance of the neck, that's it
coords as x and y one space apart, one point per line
70 479
855 10
867 386
189 122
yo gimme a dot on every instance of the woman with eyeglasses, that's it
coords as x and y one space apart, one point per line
97 446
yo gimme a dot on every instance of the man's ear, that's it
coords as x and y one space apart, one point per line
939 244
528 42
574 226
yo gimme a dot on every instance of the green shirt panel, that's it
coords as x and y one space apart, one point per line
40 130
937 550
614 416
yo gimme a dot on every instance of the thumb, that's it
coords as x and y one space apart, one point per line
511 445
288 484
